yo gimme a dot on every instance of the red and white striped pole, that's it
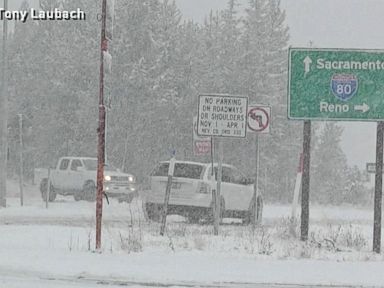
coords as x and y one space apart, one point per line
296 192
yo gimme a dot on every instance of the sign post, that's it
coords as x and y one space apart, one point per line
259 119
221 116
214 198
305 181
255 184
218 202
378 188
171 170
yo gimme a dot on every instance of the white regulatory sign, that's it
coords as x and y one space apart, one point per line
259 118
222 115
201 145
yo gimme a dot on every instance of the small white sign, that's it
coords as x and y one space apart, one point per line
259 118
201 145
222 115
371 168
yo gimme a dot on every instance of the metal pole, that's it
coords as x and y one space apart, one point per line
21 182
171 169
305 180
101 132
4 115
378 188
212 143
256 184
218 189
213 179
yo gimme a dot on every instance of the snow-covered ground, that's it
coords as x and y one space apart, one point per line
38 244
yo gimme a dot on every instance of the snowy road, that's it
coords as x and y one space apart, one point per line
42 281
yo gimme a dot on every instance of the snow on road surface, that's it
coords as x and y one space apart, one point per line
38 244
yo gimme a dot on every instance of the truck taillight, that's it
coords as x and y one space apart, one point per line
203 188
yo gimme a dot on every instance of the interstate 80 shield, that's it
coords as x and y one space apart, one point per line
344 86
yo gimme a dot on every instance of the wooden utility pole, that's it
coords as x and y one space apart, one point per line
101 131
4 114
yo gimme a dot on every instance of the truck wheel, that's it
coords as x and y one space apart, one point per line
43 190
89 191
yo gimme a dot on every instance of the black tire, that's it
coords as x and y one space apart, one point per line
153 211
43 190
89 191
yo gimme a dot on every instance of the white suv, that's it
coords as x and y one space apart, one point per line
191 194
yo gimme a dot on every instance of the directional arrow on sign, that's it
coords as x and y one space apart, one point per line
307 64
363 108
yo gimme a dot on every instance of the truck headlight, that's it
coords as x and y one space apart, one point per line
107 178
130 179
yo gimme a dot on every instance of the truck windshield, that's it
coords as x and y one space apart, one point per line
91 164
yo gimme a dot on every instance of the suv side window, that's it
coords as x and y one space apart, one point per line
75 164
227 175
231 175
238 177
64 164
161 170
210 172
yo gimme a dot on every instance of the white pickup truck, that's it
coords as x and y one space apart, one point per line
77 176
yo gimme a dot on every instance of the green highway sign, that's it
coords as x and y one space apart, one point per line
336 84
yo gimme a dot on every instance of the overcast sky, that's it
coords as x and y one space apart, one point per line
327 23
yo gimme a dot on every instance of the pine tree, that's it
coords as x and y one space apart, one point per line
54 81
329 177
263 62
